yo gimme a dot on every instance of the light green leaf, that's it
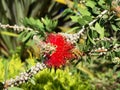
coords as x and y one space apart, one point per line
74 18
84 11
21 35
9 33
32 81
100 30
90 4
14 88
72 30
82 21
114 28
101 2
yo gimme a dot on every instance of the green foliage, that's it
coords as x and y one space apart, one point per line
49 24
91 4
7 42
58 80
32 23
14 88
98 66
14 11
99 30
26 35
21 9
42 26
39 28
12 67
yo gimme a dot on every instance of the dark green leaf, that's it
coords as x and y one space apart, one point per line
27 37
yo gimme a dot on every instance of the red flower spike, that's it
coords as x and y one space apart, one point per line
62 53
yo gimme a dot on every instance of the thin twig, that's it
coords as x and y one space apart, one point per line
92 22
25 76
15 27
74 37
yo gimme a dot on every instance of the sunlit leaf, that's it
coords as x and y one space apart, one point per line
84 11
75 18
14 88
100 30
114 27
91 3
9 33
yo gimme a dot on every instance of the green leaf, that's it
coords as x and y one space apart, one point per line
66 11
87 18
100 30
91 38
27 37
118 24
96 10
105 16
7 41
49 24
90 4
101 2
75 18
81 21
117 19
9 33
84 11
14 88
33 23
72 30
6 70
114 28
32 81
21 35
39 24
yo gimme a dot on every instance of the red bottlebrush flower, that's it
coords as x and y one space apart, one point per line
62 53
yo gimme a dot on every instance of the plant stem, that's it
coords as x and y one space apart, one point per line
25 76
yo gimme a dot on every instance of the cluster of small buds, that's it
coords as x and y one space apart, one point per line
44 47
99 50
72 38
15 27
103 50
116 47
105 39
48 48
25 76
116 60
